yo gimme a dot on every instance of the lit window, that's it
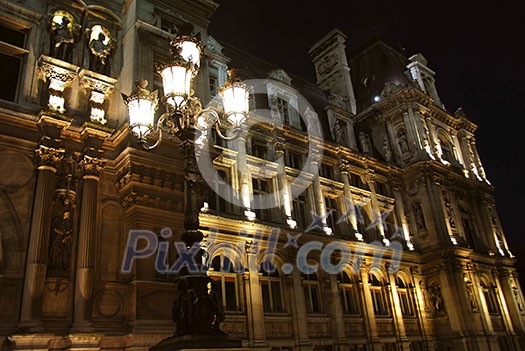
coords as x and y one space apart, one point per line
348 294
262 187
222 269
271 288
312 293
405 298
379 298
300 211
332 209
490 297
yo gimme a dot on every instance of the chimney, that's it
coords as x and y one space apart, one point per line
331 67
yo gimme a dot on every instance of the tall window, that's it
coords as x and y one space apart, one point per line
490 297
217 197
379 297
326 171
259 148
214 81
12 52
300 212
294 160
312 293
333 210
222 269
262 187
284 112
271 288
405 298
349 296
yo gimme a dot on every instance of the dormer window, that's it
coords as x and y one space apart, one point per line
282 107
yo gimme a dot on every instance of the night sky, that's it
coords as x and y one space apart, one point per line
476 50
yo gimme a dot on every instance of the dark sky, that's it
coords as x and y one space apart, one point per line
476 50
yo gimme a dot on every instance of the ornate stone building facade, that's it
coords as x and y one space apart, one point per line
400 185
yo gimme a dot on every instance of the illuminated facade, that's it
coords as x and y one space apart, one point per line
398 172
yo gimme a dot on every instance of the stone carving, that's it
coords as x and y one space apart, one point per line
49 157
419 217
64 33
195 311
365 143
402 142
339 132
327 64
92 166
387 151
449 210
436 299
100 50
470 294
61 241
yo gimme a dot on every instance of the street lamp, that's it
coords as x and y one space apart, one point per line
197 310
184 118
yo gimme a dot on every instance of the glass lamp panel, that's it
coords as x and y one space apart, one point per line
141 115
235 100
177 84
191 52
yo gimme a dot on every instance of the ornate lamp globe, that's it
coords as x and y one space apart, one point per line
142 105
235 96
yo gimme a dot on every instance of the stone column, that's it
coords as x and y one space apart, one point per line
320 206
284 187
336 310
299 311
400 209
86 242
369 313
244 178
37 254
255 305
512 308
397 313
348 203
370 180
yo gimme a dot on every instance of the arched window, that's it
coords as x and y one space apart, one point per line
379 295
349 297
406 299
489 294
271 288
222 269
312 293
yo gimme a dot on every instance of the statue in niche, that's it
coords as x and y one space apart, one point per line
437 299
63 37
403 142
419 218
387 151
365 143
470 294
449 210
100 51
339 132
61 242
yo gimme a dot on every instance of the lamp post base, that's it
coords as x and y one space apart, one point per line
198 342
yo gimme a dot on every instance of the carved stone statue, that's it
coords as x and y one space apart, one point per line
419 218
61 242
402 142
100 51
387 151
63 35
437 299
365 143
339 132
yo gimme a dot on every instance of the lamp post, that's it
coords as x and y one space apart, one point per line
198 308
